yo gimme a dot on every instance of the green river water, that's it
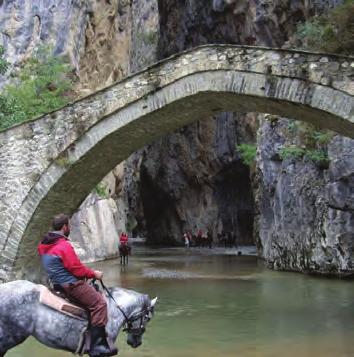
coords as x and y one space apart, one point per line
216 304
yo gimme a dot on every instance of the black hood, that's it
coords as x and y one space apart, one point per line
52 238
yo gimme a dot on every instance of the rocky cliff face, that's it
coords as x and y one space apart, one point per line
27 24
186 186
194 179
95 36
306 218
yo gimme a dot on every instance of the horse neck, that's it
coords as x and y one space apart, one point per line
128 303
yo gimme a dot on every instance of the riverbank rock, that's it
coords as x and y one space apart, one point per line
306 214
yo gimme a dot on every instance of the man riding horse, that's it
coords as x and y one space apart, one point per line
68 275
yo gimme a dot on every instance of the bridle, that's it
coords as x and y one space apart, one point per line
128 321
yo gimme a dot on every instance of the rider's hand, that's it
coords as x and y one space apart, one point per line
98 274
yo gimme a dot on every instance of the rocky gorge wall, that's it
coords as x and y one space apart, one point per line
95 37
306 211
303 215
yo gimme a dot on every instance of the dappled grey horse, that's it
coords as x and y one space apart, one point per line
22 315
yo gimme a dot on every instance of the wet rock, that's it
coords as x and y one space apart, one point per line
306 213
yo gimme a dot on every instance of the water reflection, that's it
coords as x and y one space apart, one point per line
225 305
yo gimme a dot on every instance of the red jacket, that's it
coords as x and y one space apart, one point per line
60 260
123 238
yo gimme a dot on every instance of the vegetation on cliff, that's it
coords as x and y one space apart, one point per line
3 63
308 142
248 153
41 85
331 32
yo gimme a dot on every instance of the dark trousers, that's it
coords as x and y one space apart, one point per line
87 296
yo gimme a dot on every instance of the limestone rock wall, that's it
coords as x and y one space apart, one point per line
306 218
194 179
303 218
188 185
95 36
106 49
305 221
26 24
94 232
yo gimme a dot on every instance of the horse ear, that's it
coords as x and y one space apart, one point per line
153 302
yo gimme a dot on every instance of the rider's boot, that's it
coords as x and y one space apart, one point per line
99 345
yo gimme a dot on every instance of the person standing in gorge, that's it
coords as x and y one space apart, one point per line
199 238
123 239
124 242
186 239
209 239
68 275
190 238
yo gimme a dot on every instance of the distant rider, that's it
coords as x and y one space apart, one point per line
123 238
124 241
68 274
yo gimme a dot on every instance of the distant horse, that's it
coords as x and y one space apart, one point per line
22 315
203 241
124 252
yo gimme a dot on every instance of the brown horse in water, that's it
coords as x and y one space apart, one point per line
124 252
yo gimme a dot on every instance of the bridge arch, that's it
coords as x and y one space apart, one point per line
64 154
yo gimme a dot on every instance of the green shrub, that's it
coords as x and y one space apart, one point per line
248 153
101 190
291 151
309 136
4 65
318 156
330 32
323 137
309 34
10 112
41 86
8 107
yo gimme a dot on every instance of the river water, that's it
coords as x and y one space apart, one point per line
213 303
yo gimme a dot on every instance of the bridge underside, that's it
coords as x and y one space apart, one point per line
61 188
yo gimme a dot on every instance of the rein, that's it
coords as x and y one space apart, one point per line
128 321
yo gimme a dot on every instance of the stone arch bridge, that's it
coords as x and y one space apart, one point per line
50 164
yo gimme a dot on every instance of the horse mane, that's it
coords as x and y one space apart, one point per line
142 300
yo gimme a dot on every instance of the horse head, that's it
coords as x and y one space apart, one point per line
137 310
137 324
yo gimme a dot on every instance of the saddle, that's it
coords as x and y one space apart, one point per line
58 301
